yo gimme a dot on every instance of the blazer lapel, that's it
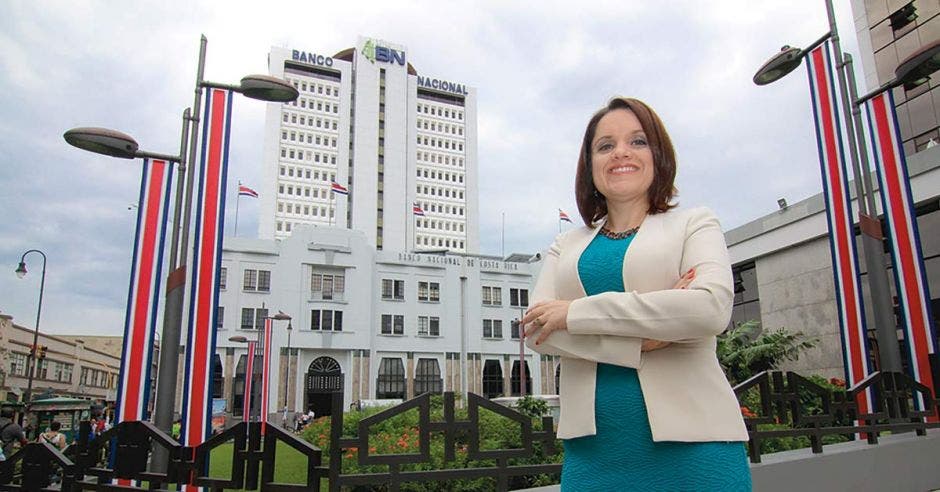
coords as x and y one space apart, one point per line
570 279
644 265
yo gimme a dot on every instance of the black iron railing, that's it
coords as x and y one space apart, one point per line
789 405
463 433
780 405
118 459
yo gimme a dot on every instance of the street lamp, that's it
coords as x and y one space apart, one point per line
117 144
247 399
287 378
261 342
31 360
282 316
781 64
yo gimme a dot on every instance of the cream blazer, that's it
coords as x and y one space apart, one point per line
687 395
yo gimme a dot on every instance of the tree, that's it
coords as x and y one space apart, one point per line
744 350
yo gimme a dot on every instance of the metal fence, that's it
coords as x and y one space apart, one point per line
785 405
790 405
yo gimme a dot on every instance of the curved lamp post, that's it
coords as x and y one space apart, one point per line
287 378
31 364
914 70
117 144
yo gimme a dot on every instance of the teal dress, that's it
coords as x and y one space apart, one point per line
622 455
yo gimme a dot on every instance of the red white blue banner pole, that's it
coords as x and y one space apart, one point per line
839 214
143 297
909 272
265 373
205 266
249 379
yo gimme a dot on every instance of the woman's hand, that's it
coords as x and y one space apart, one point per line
651 345
685 280
682 283
545 317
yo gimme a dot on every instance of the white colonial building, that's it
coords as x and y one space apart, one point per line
378 324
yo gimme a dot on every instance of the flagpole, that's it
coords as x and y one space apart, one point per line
332 201
503 240
238 198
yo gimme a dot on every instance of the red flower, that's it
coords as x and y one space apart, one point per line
748 413
837 382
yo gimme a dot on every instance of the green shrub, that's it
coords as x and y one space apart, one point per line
399 435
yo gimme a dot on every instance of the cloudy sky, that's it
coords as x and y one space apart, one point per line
540 72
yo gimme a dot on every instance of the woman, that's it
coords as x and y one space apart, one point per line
53 436
632 303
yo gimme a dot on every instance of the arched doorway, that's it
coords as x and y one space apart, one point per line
558 379
514 380
324 377
492 379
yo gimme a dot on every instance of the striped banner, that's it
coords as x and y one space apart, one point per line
143 296
909 272
265 373
249 379
203 287
839 214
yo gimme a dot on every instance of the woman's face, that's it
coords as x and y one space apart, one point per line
621 159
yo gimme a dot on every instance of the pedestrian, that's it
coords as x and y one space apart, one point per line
53 436
11 434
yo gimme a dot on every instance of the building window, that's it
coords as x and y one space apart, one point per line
391 380
429 326
326 320
253 318
219 317
260 315
746 305
429 291
519 297
428 377
248 318
514 329
492 379
327 286
223 278
61 372
393 289
17 364
264 281
257 280
97 378
393 324
492 296
493 328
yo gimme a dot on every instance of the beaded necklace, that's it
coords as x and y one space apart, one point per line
618 235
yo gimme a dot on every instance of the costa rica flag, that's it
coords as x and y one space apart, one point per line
246 191
418 211
338 188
